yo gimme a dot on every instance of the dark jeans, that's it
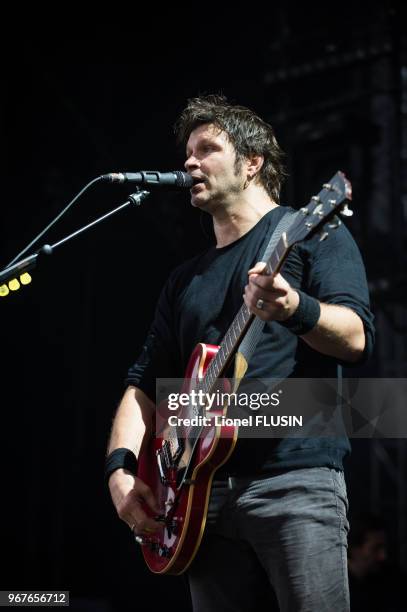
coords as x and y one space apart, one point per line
287 533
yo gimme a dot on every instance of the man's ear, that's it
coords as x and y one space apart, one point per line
254 164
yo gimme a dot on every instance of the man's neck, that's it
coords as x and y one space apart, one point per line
231 222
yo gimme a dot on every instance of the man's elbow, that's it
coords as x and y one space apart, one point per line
356 347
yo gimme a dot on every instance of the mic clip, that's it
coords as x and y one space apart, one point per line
138 196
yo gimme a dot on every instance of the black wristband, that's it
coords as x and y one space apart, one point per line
120 458
305 317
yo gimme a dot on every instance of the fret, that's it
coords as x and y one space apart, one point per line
279 253
224 356
223 360
274 262
244 318
226 340
240 317
222 363
238 331
245 313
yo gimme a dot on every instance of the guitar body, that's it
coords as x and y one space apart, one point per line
183 491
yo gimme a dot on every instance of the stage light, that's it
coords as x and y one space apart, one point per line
14 284
25 279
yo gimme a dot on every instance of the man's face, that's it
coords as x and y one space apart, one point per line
212 158
372 553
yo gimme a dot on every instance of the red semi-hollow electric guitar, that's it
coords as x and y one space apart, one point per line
180 462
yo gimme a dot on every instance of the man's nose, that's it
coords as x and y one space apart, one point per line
191 162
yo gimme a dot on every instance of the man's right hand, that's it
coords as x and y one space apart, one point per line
128 494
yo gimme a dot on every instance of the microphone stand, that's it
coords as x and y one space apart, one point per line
30 262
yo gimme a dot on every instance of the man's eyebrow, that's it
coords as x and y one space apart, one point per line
205 141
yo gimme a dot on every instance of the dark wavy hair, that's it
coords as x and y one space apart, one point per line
246 131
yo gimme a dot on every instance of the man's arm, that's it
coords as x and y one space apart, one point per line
339 331
132 428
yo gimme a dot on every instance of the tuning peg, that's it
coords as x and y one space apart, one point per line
336 222
322 236
346 211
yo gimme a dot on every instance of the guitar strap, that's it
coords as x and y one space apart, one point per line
252 337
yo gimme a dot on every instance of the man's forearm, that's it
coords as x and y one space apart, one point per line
132 429
132 424
339 333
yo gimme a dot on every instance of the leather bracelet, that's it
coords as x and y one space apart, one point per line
305 317
120 458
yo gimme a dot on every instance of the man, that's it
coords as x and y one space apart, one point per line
375 584
282 523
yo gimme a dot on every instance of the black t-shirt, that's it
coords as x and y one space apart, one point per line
200 300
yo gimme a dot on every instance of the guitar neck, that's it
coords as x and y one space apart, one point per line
241 324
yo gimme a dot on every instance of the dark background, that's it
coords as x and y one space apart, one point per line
104 98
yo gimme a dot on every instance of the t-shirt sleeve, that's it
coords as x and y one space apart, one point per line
158 357
335 274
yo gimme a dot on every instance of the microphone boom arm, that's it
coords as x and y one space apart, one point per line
30 262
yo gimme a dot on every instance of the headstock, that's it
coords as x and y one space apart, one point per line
320 215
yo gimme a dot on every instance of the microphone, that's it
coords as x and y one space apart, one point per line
151 177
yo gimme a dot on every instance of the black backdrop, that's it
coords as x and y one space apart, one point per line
75 106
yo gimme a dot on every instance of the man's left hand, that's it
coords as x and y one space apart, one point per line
269 298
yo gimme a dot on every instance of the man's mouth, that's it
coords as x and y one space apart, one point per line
198 180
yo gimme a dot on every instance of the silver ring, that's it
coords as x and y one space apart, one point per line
260 304
139 540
